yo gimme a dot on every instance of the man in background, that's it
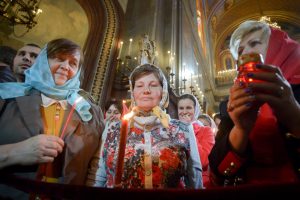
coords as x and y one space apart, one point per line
24 59
7 55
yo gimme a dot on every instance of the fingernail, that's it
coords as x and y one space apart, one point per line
249 104
250 75
248 90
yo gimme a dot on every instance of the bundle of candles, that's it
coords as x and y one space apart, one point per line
69 116
46 168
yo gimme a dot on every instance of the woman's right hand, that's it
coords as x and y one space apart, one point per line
186 118
39 149
242 107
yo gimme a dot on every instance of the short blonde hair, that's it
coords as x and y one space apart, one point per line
244 29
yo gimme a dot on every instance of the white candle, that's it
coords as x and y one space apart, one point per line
169 58
120 51
129 49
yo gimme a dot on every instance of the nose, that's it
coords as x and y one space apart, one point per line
183 111
65 65
147 90
26 57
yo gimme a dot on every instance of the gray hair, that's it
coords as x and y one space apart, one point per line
244 29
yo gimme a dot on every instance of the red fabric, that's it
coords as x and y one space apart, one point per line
225 165
205 141
269 154
284 53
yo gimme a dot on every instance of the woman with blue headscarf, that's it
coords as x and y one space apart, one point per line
48 130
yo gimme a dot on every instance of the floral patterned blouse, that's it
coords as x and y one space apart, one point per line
155 158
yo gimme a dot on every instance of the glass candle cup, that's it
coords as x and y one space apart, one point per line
247 64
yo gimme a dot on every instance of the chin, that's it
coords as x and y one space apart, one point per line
146 108
60 82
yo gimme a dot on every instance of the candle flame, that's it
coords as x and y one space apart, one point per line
128 116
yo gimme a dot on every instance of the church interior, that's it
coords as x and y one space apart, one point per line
188 40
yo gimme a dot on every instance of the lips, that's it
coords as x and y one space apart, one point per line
146 99
61 74
25 66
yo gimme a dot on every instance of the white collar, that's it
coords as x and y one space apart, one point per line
47 101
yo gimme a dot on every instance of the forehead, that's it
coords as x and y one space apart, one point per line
112 107
74 55
147 77
204 120
30 49
186 102
251 36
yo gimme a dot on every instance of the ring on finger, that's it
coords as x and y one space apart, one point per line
281 91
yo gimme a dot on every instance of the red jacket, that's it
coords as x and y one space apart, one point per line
205 141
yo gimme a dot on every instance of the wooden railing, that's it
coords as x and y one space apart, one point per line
63 191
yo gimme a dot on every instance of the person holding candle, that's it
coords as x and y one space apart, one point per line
45 121
159 152
259 131
188 112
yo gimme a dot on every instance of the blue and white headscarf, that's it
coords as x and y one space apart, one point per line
39 77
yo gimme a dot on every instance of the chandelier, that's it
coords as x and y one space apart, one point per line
20 12
268 21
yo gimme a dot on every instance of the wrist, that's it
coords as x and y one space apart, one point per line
238 139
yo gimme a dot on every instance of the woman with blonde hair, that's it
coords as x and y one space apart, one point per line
257 138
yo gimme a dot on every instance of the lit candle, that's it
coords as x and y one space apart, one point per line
120 51
129 49
121 152
69 117
169 52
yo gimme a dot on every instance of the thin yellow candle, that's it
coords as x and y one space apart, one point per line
129 48
120 51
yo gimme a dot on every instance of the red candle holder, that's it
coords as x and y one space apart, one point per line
247 64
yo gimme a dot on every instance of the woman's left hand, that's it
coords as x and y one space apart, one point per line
277 92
